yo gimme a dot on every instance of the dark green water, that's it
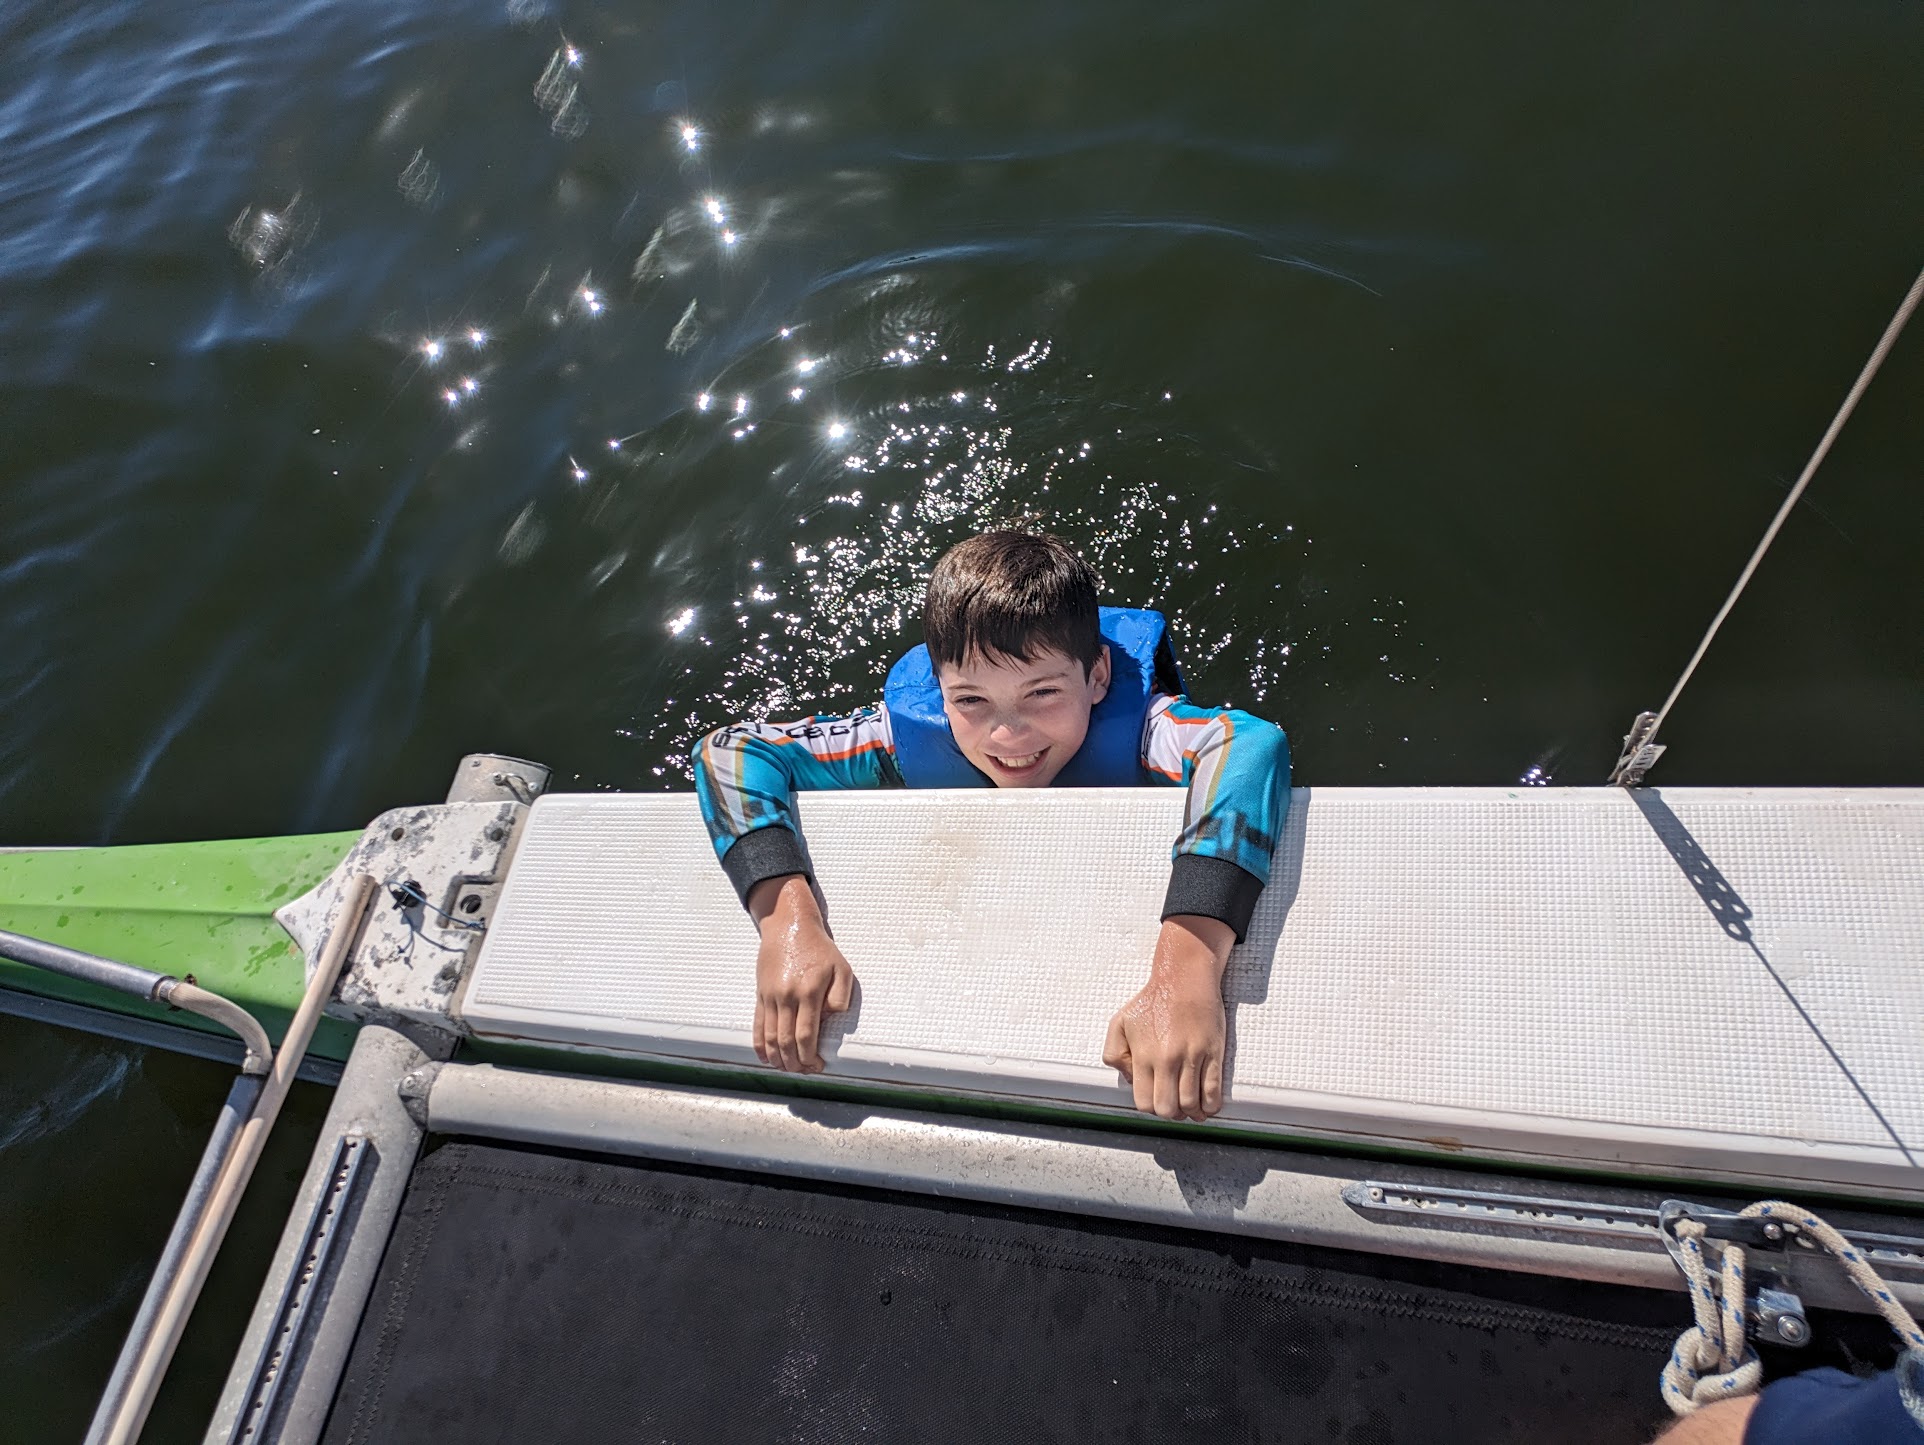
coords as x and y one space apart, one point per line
1435 367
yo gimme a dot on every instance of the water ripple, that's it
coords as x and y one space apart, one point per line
65 1104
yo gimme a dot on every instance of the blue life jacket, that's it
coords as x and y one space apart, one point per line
1111 753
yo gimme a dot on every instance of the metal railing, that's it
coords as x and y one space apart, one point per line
226 1164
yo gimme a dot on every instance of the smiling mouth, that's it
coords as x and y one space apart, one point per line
1024 764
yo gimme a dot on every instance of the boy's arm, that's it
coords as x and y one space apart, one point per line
746 777
1168 1040
800 974
1236 767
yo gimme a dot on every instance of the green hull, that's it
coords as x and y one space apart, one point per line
205 909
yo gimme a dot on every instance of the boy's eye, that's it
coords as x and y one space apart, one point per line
968 699
1046 692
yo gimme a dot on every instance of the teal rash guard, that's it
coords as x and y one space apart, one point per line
1235 766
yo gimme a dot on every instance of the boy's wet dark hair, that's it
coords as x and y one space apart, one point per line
1014 595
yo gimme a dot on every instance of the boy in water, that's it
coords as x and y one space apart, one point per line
1023 682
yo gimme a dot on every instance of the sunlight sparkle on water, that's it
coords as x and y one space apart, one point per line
681 621
690 135
470 385
837 430
807 364
704 401
477 338
432 349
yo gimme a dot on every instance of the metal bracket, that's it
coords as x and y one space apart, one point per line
1639 753
415 1086
1773 1314
324 1227
1595 1222
1483 1212
442 865
1720 1224
1776 1316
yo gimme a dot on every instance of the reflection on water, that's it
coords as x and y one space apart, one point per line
857 430
384 383
904 448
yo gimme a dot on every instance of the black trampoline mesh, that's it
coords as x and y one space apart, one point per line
534 1296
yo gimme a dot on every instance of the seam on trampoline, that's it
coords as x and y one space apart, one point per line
395 1313
1381 1301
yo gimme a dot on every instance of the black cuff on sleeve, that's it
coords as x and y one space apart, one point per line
1212 887
765 853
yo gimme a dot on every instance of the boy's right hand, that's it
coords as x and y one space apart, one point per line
800 975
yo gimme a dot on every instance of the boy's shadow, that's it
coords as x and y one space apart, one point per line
1246 979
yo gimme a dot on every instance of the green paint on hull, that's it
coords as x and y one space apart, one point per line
205 909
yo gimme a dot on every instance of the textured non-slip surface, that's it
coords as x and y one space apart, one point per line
528 1296
1724 981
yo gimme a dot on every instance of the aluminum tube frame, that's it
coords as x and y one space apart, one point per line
150 1033
367 1102
257 1050
121 977
122 1425
1174 1183
241 1098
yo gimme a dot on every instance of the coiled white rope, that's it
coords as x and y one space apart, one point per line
1712 1360
1640 747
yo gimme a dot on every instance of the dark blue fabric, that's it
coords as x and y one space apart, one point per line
1829 1407
1110 756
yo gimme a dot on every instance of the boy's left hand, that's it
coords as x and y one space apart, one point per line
1168 1040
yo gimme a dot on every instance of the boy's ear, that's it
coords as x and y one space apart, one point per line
1100 673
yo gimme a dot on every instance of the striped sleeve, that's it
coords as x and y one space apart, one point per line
1236 767
747 775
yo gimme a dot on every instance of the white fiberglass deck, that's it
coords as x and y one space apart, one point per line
1724 983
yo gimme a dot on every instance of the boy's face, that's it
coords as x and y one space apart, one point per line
1021 722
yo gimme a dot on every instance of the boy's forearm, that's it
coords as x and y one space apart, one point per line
1193 947
1236 769
765 855
787 900
747 774
1212 888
